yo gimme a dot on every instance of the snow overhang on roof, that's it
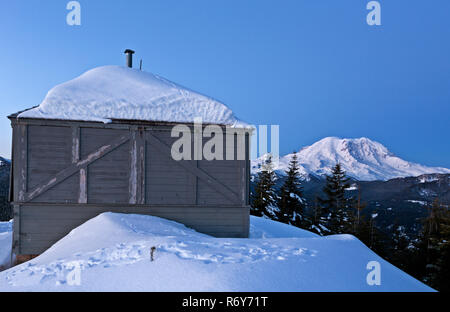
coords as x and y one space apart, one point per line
111 93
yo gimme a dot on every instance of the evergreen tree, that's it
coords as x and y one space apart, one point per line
436 245
358 219
6 211
290 200
263 199
317 220
402 250
336 208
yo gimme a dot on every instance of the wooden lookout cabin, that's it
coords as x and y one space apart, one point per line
104 142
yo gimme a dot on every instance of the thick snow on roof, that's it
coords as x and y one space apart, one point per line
115 92
112 252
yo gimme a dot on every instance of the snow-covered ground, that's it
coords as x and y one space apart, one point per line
116 92
112 252
5 244
362 159
420 202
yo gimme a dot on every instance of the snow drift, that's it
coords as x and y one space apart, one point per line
362 159
115 92
113 253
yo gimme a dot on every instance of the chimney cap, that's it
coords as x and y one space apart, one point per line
128 51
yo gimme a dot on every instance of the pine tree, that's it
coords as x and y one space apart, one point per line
263 199
436 245
317 221
336 208
290 200
402 251
358 219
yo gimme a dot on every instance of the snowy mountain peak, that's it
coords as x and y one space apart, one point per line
362 159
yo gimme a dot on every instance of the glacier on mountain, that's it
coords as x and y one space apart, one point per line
362 159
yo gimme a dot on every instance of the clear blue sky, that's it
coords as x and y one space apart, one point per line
313 67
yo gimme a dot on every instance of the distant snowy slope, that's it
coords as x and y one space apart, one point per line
115 92
5 244
4 161
113 252
362 159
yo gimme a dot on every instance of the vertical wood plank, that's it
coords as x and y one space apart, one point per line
16 162
75 144
141 167
247 169
195 186
194 178
12 169
246 218
242 165
16 230
82 198
76 156
23 162
133 167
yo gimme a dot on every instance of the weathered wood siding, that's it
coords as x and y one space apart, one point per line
43 225
166 181
65 173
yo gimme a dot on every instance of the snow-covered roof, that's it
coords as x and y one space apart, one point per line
116 92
